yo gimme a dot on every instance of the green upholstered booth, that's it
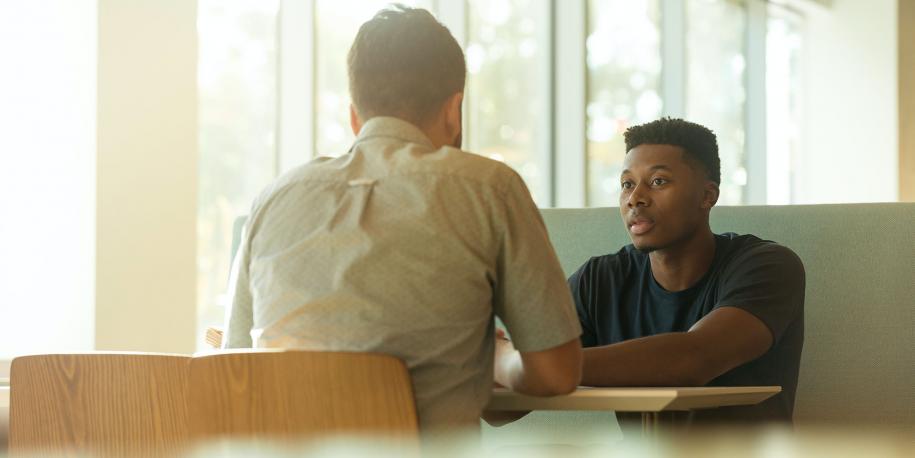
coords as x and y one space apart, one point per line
858 363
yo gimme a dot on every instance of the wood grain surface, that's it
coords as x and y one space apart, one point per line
299 394
102 404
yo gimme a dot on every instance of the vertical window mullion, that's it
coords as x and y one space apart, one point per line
756 103
570 98
296 88
546 143
673 56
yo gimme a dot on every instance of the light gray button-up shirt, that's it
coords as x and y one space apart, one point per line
404 249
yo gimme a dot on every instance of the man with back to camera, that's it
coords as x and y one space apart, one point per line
407 245
682 306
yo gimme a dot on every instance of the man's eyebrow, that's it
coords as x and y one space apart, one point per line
652 169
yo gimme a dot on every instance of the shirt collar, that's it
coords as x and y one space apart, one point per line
386 126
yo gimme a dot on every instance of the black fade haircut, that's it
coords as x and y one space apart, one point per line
404 63
697 141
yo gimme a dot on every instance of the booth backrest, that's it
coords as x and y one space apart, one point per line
858 362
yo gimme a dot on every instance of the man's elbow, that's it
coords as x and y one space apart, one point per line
566 386
565 378
576 364
555 384
697 371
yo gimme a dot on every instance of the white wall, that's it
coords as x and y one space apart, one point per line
147 175
849 149
47 177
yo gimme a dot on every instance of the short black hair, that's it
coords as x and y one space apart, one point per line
698 141
404 63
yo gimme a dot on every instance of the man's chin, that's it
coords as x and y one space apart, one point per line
645 249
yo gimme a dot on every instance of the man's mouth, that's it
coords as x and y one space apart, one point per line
640 225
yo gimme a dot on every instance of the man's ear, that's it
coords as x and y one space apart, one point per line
354 122
453 118
710 194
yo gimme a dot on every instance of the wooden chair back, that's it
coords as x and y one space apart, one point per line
300 394
99 404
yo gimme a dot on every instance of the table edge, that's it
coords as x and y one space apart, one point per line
632 399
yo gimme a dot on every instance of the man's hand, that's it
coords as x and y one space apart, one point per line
504 347
498 418
504 351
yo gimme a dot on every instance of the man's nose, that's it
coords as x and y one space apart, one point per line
638 197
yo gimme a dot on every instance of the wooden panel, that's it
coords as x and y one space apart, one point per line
102 404
634 399
297 394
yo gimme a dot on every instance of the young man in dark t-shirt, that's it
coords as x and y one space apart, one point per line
682 306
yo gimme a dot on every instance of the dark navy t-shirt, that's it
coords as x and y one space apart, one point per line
618 299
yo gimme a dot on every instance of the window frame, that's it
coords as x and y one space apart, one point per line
566 122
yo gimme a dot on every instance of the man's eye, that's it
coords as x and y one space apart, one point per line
626 185
658 182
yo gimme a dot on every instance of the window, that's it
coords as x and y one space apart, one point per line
715 93
783 53
237 66
624 79
48 176
508 90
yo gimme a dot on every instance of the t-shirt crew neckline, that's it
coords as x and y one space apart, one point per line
696 287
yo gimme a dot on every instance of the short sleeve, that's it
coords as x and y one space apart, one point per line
767 280
530 292
580 283
239 315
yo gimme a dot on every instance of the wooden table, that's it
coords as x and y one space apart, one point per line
649 401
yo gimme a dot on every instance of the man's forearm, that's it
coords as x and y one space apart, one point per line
662 360
722 340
